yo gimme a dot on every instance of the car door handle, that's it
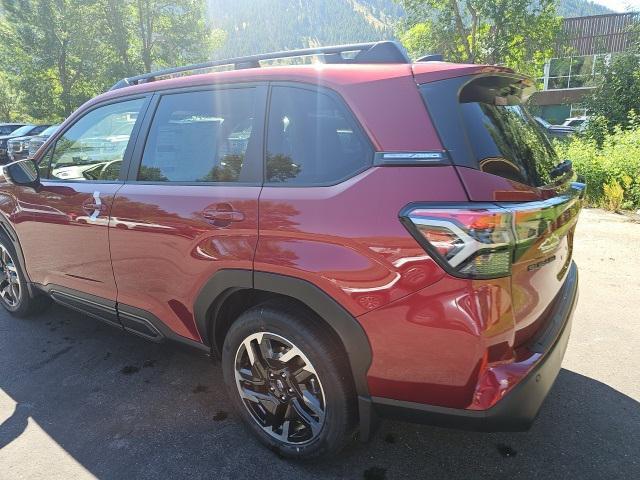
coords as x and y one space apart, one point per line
223 215
94 206
90 207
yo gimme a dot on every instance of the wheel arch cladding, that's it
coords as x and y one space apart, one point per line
227 282
6 229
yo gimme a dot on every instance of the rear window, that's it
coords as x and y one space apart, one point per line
503 137
507 142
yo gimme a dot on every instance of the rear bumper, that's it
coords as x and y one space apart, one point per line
519 408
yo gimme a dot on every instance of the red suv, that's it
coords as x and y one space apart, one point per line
354 238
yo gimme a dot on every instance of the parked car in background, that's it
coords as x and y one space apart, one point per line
18 147
579 124
22 133
554 131
376 238
36 142
575 122
7 128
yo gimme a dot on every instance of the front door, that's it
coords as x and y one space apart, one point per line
63 226
190 205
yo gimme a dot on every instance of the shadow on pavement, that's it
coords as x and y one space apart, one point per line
124 408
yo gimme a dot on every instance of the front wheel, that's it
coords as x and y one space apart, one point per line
287 380
14 294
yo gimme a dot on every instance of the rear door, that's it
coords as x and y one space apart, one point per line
503 156
62 226
190 204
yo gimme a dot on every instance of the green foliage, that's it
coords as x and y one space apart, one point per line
53 53
257 26
10 100
617 95
581 8
613 196
417 39
60 53
518 33
616 160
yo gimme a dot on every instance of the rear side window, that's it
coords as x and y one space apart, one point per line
312 139
201 136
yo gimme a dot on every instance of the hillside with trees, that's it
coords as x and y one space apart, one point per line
255 26
580 8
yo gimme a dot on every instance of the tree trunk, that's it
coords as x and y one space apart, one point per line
65 95
145 24
462 33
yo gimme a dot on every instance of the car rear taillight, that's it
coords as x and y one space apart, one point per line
469 242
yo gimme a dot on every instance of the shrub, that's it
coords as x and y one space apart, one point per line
613 196
615 161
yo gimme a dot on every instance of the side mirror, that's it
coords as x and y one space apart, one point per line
24 173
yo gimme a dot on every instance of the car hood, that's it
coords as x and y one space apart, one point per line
7 137
40 137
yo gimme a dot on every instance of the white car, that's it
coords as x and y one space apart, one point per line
579 123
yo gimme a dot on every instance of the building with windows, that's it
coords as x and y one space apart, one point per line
585 46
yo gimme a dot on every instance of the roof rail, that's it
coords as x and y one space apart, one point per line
433 57
374 52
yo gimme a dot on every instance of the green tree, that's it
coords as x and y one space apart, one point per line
63 52
516 33
53 50
10 101
169 33
617 94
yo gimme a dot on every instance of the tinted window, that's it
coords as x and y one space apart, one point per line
93 148
7 129
50 130
202 137
312 139
507 142
24 130
39 129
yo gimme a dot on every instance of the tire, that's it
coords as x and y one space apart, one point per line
320 403
14 293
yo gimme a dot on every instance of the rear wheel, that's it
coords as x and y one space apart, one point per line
14 294
287 380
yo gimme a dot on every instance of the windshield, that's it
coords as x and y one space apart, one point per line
22 131
543 122
50 131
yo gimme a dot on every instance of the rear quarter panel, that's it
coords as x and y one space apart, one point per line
347 239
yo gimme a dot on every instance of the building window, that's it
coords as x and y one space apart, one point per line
574 72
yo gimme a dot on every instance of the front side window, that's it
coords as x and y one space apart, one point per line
93 148
311 139
202 136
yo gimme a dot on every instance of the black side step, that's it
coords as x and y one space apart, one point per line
99 309
140 326
124 317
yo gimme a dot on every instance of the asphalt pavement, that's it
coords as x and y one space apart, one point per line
82 400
